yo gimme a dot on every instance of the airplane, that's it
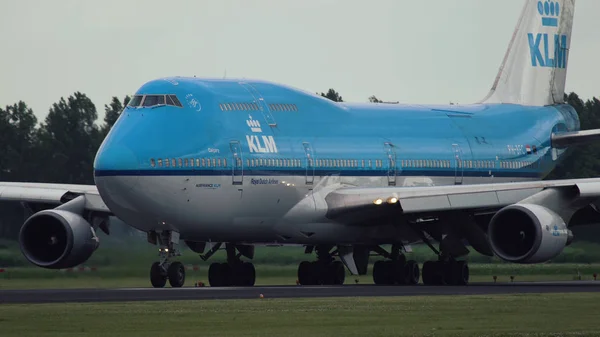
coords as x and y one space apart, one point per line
234 163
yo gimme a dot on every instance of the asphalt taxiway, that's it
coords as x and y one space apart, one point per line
210 293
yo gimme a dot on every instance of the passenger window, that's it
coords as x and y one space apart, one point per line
160 163
173 163
186 163
167 163
152 163
180 162
135 101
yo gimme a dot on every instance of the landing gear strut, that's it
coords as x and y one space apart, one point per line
234 272
396 270
165 269
325 271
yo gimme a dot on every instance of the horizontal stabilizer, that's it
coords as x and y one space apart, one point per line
565 139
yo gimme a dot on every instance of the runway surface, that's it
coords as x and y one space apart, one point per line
209 293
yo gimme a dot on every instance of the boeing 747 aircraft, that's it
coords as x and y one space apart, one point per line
224 163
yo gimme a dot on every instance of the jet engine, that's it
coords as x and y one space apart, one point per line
57 239
528 233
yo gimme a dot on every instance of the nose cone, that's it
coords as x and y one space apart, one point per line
115 169
115 159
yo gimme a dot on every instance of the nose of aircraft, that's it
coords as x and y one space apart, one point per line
115 158
115 168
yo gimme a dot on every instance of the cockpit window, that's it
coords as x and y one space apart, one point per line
152 100
135 101
176 101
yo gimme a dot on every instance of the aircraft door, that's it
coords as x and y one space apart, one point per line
391 163
458 164
310 163
262 105
237 163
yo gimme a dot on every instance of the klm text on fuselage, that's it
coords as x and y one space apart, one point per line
539 46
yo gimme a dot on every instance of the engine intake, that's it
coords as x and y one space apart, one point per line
528 233
57 239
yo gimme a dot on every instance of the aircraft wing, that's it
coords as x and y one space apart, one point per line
52 194
348 202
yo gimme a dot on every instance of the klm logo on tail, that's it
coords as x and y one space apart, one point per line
540 43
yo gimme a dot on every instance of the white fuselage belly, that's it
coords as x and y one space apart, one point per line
274 209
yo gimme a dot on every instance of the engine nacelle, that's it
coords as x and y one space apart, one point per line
57 239
528 233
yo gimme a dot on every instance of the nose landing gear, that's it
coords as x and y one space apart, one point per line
164 269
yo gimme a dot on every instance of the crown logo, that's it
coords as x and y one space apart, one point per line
550 11
254 125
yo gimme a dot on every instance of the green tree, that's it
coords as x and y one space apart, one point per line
112 113
332 95
17 135
374 99
68 140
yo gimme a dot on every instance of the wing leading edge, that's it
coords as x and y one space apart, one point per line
414 200
53 194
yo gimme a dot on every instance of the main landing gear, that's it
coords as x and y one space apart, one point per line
234 272
449 272
446 270
396 269
325 271
165 269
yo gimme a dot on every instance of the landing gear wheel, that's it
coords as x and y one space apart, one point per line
176 274
305 275
398 271
460 273
215 276
249 274
411 272
157 277
432 273
338 272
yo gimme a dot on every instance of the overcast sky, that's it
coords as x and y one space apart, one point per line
426 51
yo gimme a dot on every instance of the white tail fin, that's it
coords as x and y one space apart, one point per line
534 69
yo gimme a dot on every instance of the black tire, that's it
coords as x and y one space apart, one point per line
249 274
433 272
305 273
461 273
215 277
411 272
176 274
378 272
339 272
227 276
399 271
390 271
157 278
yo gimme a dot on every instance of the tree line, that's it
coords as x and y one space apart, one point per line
61 148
